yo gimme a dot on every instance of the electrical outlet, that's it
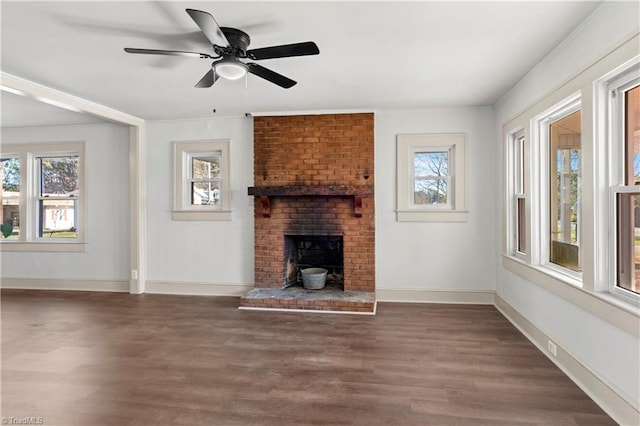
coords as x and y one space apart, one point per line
552 347
134 274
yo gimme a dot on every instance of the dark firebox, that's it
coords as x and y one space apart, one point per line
313 251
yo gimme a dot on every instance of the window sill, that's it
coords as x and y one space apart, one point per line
61 246
213 215
616 311
431 215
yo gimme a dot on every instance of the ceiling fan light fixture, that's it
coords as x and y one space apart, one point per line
230 69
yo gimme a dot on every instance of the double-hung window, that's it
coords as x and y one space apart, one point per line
517 189
201 180
43 197
623 104
431 177
565 188
577 178
559 136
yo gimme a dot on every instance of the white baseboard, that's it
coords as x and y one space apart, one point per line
65 284
197 289
416 295
612 400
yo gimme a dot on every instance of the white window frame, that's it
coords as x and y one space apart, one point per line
29 197
609 107
516 172
410 144
183 152
592 292
540 213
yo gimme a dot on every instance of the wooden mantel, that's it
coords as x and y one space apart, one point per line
355 191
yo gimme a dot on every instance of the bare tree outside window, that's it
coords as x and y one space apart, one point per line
431 178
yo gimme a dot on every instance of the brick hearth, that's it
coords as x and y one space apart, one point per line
314 175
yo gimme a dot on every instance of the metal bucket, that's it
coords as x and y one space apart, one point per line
314 278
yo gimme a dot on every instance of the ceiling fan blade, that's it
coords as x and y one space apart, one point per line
271 76
284 51
209 27
208 79
168 52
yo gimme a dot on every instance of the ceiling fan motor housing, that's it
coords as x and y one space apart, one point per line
238 42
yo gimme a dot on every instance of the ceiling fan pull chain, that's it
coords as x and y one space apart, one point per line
246 94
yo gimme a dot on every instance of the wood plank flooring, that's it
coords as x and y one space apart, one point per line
77 358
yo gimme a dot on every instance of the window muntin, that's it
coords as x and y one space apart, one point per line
565 187
10 197
58 196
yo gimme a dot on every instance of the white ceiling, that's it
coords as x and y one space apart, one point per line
373 55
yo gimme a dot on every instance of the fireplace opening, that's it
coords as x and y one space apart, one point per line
313 251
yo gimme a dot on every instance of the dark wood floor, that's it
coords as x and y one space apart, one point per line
75 358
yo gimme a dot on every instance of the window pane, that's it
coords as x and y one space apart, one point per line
430 191
58 219
518 162
431 164
205 167
565 189
10 208
205 193
632 135
521 226
58 176
10 176
11 218
628 238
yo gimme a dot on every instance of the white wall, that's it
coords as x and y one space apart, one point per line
201 256
199 252
107 256
428 256
609 352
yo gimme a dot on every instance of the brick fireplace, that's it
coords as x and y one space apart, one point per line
313 188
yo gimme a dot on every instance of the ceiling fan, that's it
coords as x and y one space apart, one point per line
230 45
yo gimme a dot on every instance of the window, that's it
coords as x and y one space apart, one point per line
557 132
201 180
624 136
581 163
517 199
57 196
565 188
431 177
43 197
